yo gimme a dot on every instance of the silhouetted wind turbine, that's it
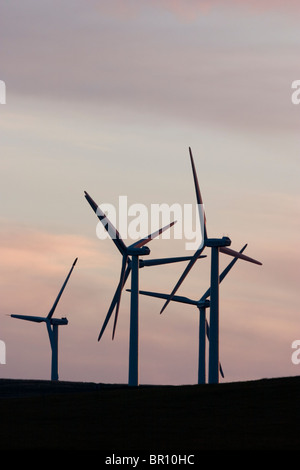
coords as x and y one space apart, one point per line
217 245
202 304
130 264
52 326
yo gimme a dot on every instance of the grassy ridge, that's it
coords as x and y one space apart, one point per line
262 414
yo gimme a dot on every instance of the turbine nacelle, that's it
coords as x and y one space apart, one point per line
59 321
142 251
217 242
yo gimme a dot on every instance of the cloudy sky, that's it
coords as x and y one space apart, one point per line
107 97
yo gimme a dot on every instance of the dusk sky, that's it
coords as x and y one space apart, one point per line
107 97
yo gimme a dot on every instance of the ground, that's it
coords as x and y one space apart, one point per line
256 415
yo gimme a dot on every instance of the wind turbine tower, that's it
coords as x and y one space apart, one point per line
52 325
217 245
202 304
131 263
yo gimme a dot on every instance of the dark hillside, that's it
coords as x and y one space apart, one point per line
263 414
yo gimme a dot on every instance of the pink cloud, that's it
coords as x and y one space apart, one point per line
34 264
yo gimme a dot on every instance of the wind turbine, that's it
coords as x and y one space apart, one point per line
130 264
217 245
202 304
52 325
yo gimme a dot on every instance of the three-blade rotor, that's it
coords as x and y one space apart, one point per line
206 242
137 248
49 318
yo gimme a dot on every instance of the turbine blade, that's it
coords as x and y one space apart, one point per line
176 259
230 252
207 334
231 264
113 303
121 284
224 273
29 318
150 237
61 290
109 227
176 298
183 276
202 215
207 329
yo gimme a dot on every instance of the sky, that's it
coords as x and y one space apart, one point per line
107 97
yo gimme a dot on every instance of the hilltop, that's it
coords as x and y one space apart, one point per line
262 414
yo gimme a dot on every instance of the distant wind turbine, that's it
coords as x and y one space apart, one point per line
130 264
52 326
217 245
202 304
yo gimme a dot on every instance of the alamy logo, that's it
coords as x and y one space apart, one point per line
2 352
296 354
296 94
2 92
136 221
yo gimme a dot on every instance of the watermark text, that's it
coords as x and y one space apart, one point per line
136 221
2 92
296 353
2 352
296 94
